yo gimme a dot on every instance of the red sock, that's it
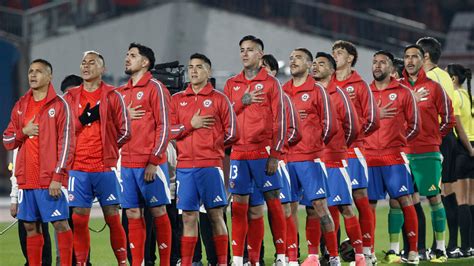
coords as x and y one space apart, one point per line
220 243
118 239
353 231
331 243
136 236
411 226
254 240
278 225
335 217
187 249
34 249
65 247
367 221
81 236
239 227
163 238
374 223
313 235
291 239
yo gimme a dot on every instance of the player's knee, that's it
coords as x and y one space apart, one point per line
32 228
61 226
346 211
394 204
81 211
311 212
359 193
190 218
405 200
158 211
110 210
435 199
272 194
240 198
133 213
255 212
287 209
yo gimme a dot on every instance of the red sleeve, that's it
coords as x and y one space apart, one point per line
13 136
229 120
370 111
66 140
327 114
412 116
293 130
122 121
445 110
279 119
179 129
237 103
160 100
351 124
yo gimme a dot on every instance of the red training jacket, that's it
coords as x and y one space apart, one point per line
203 147
151 132
293 127
114 120
347 120
320 124
364 104
260 124
57 140
385 145
438 105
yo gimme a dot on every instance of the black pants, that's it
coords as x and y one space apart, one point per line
46 257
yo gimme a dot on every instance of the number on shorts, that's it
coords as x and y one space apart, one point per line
233 172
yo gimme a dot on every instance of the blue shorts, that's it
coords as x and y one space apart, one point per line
358 170
394 179
244 174
339 186
84 186
37 205
196 186
138 193
310 179
257 198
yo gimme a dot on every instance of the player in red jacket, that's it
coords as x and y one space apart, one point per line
388 166
41 165
202 122
258 103
318 126
335 154
102 127
345 54
144 168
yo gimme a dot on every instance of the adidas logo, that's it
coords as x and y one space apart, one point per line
367 235
153 200
358 241
354 182
320 191
249 247
267 184
293 246
217 199
163 246
111 197
234 243
282 196
432 188
411 234
279 241
56 213
132 245
337 198
309 242
403 189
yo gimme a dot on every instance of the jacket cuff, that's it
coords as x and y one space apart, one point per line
188 128
155 160
275 154
14 200
58 177
20 136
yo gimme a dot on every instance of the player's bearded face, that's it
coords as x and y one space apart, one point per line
298 63
381 67
413 61
91 67
321 68
38 76
198 71
250 54
134 62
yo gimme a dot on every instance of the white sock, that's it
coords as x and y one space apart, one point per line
367 250
281 257
440 244
395 246
239 261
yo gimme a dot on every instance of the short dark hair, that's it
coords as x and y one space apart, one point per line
70 81
399 65
416 46
271 61
146 52
349 47
431 46
328 57
44 62
307 52
252 39
386 53
201 57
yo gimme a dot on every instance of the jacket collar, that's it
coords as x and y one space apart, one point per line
306 86
421 77
51 94
141 83
206 90
392 85
106 88
354 77
261 76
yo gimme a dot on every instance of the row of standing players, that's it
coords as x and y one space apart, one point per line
278 136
